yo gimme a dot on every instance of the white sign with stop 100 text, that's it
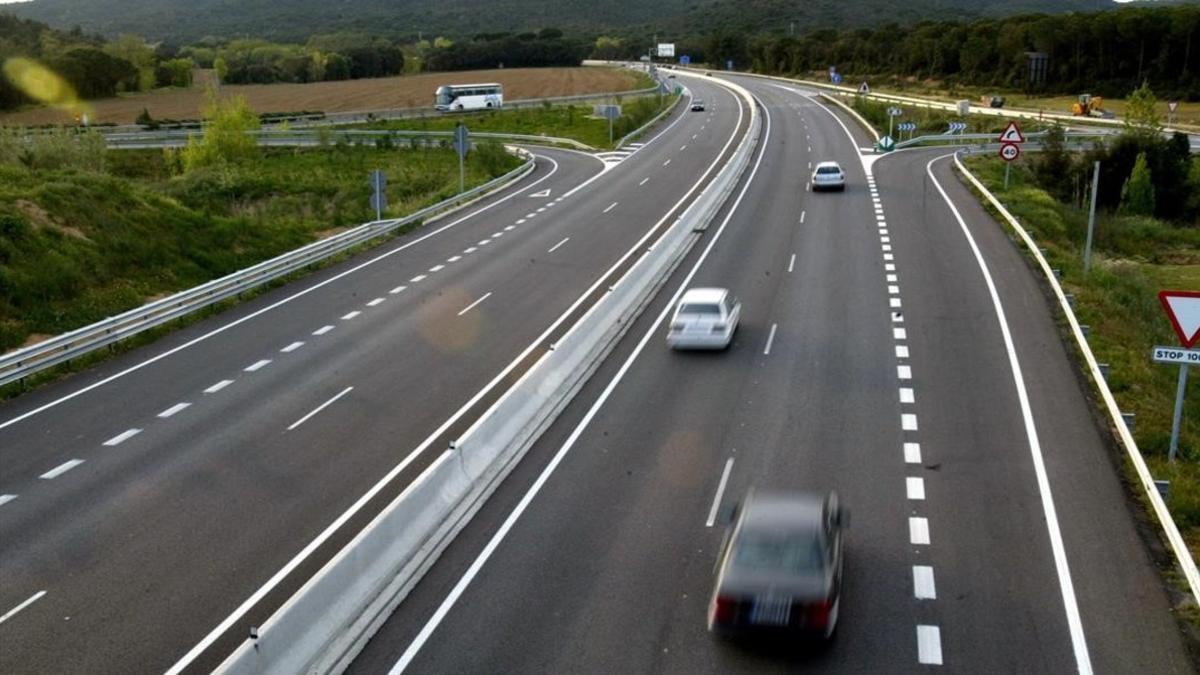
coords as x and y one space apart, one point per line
1176 355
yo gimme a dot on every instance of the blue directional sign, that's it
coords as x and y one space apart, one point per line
957 127
729 65
685 60
836 77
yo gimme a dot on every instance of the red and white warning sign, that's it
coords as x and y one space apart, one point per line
1010 151
1183 308
1012 134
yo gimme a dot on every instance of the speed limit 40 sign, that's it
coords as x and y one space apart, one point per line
1010 151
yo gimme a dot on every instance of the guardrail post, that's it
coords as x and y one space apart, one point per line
1130 420
1104 370
1085 329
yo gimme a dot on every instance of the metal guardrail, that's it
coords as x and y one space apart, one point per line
961 139
22 363
179 137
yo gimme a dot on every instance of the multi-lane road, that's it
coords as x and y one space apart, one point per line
895 347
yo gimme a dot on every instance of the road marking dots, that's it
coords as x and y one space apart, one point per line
260 364
13 612
929 645
322 330
178 407
770 339
906 395
297 345
61 469
712 513
555 247
122 437
908 422
918 531
319 408
218 386
912 453
923 586
915 488
473 304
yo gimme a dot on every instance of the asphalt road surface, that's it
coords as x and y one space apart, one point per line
162 503
890 351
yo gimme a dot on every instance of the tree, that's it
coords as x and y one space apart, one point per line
1137 195
227 136
93 73
1052 166
1140 114
221 68
134 49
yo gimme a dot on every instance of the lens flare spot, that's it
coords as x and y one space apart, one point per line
42 84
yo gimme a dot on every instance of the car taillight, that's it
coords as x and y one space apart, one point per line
724 609
818 613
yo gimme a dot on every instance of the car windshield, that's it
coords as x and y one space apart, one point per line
828 169
794 552
697 308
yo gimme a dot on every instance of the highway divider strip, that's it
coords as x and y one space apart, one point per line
22 363
172 138
324 625
1178 546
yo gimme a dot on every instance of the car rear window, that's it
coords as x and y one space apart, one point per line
828 169
694 308
770 551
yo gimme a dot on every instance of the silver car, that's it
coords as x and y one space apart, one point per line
828 176
780 570
706 318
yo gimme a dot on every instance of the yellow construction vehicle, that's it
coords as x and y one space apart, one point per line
1090 106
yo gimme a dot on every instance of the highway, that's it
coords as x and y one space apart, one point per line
896 347
157 506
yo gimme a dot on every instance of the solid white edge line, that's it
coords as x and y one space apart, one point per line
122 437
294 296
13 612
924 587
61 469
471 306
296 560
929 645
1074 621
712 513
319 408
770 339
173 409
452 597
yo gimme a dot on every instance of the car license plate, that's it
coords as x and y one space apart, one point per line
771 611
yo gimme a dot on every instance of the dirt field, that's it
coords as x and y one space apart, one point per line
345 96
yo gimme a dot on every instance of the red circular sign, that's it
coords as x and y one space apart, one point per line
1010 151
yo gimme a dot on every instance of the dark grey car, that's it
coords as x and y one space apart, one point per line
781 568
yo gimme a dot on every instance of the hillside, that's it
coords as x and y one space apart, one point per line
183 21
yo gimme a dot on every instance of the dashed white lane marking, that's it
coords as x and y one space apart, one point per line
4 499
879 218
376 302
666 162
454 258
892 278
912 453
531 215
899 334
258 365
888 256
541 210
485 242
521 221
883 231
886 247
122 437
923 586
712 512
13 612
893 290
415 280
322 330
319 408
904 372
908 422
643 181
883 238
889 267
178 407
473 304
470 250
914 486
683 147
61 469
906 395
894 303
918 531
611 207
897 317
694 136
297 345
810 148
770 339
901 352
218 386
439 268
555 247
792 263
510 228
929 645
802 216
497 235
350 315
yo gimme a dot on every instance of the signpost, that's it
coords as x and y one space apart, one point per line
886 144
379 193
863 88
666 50
906 126
610 113
685 60
462 146
957 128
893 112
1010 148
729 64
1183 309
1172 106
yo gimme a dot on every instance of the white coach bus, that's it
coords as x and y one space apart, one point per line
457 97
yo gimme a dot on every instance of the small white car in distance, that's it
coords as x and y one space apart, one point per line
828 176
697 106
706 318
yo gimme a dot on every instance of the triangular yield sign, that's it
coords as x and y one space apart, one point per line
543 193
1012 134
1183 308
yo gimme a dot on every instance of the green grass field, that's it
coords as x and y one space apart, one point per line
1133 259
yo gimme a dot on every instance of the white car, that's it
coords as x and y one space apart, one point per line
828 176
706 318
